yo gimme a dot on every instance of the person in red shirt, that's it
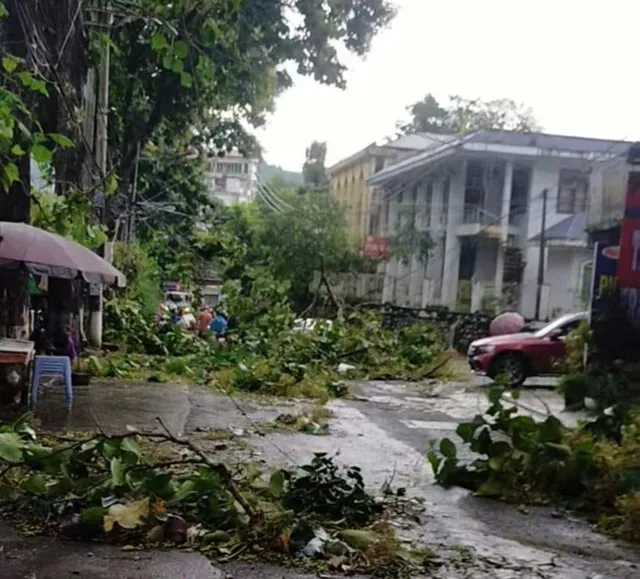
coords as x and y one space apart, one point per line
204 319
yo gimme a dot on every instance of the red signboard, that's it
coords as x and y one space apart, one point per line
376 247
629 261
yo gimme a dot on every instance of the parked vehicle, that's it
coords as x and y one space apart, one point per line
517 357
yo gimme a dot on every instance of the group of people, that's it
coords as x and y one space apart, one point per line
209 321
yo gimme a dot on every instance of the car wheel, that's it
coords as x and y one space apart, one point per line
512 367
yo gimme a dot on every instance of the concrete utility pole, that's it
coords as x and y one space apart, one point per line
543 229
100 152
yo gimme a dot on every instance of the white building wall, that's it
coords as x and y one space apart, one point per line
232 178
564 276
545 175
437 284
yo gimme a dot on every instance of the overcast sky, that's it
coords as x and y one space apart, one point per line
576 63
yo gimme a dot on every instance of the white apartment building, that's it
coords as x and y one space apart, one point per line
232 178
480 198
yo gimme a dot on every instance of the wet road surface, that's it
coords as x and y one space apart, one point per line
385 430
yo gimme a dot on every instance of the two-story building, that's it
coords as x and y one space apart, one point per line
232 178
350 175
481 198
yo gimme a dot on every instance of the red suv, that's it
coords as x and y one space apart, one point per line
520 356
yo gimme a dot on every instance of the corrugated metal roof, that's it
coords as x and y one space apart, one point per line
573 228
550 142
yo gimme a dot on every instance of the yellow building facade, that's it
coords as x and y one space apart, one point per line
349 188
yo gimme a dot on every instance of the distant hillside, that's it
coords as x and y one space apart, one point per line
288 178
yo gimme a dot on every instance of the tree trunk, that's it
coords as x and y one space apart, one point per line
14 284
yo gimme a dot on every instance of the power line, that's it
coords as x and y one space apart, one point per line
273 196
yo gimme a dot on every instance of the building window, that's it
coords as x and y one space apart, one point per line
446 188
378 164
573 187
220 182
427 206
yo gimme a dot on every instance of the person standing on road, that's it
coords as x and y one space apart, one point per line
218 325
204 319
187 320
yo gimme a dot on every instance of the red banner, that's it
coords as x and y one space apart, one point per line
629 261
376 247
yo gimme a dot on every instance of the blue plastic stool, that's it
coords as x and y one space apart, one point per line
53 366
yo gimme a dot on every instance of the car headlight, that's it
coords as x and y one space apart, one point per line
477 350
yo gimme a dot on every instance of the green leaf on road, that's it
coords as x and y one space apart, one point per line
35 484
158 41
465 431
130 444
117 472
11 446
448 448
276 483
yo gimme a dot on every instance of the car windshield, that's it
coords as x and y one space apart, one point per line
558 324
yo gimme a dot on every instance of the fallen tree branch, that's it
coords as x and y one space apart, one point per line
220 468
437 367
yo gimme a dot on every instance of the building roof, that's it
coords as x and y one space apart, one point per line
418 141
572 229
404 143
549 142
508 142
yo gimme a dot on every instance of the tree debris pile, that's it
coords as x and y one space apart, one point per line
594 468
461 327
268 356
110 488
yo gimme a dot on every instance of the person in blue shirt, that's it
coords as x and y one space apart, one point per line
218 325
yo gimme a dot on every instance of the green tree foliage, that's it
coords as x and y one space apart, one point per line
308 238
143 276
314 172
460 116
216 66
67 215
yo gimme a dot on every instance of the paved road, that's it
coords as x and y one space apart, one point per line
385 430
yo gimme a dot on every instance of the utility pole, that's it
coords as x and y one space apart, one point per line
100 153
541 256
